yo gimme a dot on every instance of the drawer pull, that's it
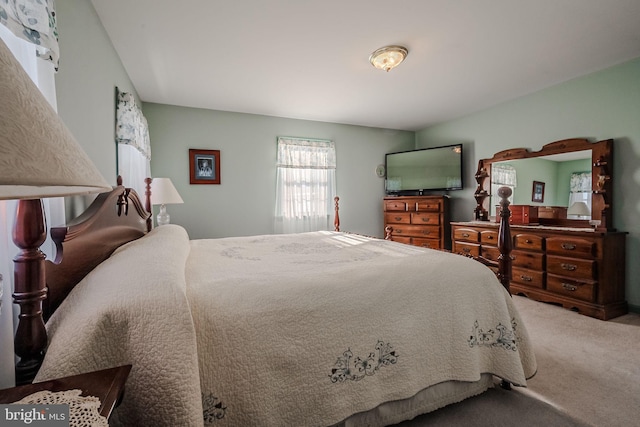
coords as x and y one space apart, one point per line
489 237
569 287
398 218
465 235
568 267
466 250
568 246
528 241
426 232
526 278
426 219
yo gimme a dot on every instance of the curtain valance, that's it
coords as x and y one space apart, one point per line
306 153
131 125
35 22
504 175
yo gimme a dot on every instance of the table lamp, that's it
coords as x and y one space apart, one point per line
164 193
39 157
579 209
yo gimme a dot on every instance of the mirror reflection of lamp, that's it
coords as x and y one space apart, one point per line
580 210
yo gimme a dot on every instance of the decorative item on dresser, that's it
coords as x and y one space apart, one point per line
577 263
418 220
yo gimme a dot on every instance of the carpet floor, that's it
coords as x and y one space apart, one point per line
588 375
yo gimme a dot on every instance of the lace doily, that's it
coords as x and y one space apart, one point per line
84 411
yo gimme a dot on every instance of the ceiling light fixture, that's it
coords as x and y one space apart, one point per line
388 57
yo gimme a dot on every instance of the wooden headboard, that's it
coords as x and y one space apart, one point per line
113 219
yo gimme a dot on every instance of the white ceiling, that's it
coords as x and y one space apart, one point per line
308 59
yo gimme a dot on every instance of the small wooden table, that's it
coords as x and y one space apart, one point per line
107 385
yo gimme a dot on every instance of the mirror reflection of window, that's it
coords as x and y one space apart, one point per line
502 175
580 196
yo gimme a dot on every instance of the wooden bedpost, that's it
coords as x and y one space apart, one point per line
388 232
147 202
336 219
29 232
505 243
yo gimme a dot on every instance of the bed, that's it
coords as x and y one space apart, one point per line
312 329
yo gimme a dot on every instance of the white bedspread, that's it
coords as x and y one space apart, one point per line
304 330
287 330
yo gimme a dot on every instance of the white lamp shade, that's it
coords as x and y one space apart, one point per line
579 209
163 192
39 157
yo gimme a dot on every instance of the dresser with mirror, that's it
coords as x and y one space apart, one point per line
565 249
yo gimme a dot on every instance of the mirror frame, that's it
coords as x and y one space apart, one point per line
601 180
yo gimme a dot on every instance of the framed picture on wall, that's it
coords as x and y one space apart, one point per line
537 194
204 166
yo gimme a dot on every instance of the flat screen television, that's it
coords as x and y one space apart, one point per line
428 169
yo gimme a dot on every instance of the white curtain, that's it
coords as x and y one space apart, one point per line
42 73
134 144
305 185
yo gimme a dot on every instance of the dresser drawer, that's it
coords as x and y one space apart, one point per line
490 253
525 259
466 248
397 217
429 206
466 234
426 243
571 246
401 239
528 241
417 231
425 218
571 267
523 276
489 237
394 205
585 291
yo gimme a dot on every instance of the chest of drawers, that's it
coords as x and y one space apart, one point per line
581 270
418 220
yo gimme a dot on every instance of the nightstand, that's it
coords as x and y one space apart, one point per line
107 385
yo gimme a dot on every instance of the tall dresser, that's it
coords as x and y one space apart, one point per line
418 220
580 270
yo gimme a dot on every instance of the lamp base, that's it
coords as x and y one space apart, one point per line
163 217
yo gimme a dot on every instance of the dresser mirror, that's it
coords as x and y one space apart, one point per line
567 182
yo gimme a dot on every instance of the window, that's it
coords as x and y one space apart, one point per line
305 185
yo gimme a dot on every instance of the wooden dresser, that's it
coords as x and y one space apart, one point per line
418 220
581 270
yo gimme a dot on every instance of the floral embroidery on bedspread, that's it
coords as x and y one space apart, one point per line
354 370
500 336
235 253
213 409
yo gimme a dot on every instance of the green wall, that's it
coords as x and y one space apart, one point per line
244 202
599 106
90 70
